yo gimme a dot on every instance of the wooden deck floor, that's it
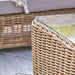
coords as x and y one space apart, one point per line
16 61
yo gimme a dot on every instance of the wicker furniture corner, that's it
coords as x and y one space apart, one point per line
52 53
15 29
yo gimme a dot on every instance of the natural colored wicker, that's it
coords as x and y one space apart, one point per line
15 29
52 53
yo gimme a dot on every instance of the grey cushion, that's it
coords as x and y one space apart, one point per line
42 5
8 7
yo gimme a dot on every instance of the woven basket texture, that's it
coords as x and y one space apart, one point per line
52 53
15 29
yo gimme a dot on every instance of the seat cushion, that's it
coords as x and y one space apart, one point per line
8 7
42 5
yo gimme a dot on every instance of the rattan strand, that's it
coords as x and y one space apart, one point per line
15 29
52 53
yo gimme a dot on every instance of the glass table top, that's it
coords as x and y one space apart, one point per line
63 24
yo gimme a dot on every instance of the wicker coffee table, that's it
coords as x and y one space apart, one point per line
53 45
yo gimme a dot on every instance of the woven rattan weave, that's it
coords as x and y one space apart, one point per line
53 54
15 29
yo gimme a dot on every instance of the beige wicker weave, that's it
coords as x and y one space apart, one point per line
52 53
15 29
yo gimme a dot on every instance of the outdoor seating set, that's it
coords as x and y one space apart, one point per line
52 53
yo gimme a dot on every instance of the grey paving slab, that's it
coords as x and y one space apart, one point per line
16 61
